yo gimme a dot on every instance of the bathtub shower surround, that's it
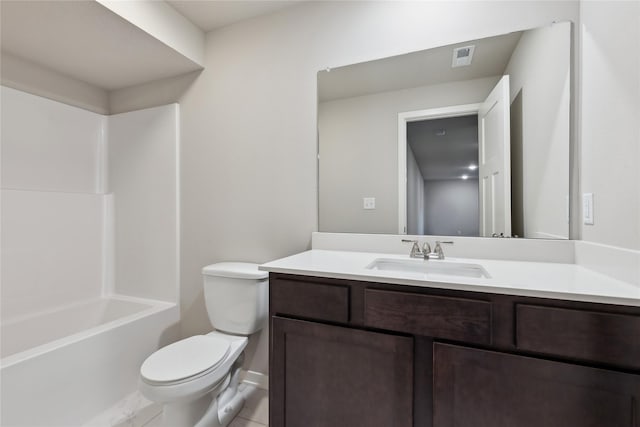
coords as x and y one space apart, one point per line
52 250
89 254
91 363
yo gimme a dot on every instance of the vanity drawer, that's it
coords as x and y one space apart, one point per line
432 316
309 300
581 334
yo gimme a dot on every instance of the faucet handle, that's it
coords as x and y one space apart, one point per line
415 249
446 242
438 249
415 244
439 244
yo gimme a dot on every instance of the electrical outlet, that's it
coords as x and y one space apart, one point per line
368 202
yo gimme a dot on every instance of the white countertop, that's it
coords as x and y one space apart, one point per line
534 279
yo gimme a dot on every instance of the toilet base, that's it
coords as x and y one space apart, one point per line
186 413
215 409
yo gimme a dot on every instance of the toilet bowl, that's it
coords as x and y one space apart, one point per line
196 379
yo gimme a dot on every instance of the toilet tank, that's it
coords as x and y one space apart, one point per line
237 296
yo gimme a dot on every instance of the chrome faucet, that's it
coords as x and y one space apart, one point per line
437 251
425 252
415 249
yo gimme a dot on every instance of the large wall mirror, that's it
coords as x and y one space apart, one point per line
470 139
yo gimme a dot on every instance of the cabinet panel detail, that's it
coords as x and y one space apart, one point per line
310 300
479 388
580 334
433 316
325 375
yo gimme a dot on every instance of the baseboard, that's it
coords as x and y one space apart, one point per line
257 379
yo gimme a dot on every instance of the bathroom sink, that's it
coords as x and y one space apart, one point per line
442 268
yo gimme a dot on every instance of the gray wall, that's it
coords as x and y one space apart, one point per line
415 195
451 207
363 131
539 75
610 108
249 192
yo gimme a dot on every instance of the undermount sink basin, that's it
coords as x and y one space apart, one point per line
442 268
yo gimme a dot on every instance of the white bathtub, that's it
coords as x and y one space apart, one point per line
62 367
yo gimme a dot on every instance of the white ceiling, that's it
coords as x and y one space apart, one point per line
88 42
212 14
422 68
445 156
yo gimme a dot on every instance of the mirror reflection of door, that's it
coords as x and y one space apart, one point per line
458 175
494 162
442 176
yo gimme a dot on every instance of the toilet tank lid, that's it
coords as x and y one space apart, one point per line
236 270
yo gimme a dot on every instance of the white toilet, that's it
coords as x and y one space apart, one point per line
196 379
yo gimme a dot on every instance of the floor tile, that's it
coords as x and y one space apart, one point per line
154 422
132 411
256 407
243 422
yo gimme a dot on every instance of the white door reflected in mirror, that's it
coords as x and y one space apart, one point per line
495 171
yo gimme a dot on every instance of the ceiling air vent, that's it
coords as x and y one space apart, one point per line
462 56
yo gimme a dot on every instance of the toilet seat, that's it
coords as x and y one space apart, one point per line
185 360
192 387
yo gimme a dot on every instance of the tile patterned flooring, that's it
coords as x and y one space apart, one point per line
256 409
254 414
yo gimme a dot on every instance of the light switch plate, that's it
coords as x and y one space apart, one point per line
368 202
587 208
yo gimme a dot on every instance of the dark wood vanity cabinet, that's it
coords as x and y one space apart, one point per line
480 388
360 354
327 375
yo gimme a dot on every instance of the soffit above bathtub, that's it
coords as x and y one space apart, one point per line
212 14
85 40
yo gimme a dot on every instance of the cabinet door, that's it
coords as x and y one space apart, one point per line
478 388
330 376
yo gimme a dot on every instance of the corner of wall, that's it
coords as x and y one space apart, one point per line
152 94
163 22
